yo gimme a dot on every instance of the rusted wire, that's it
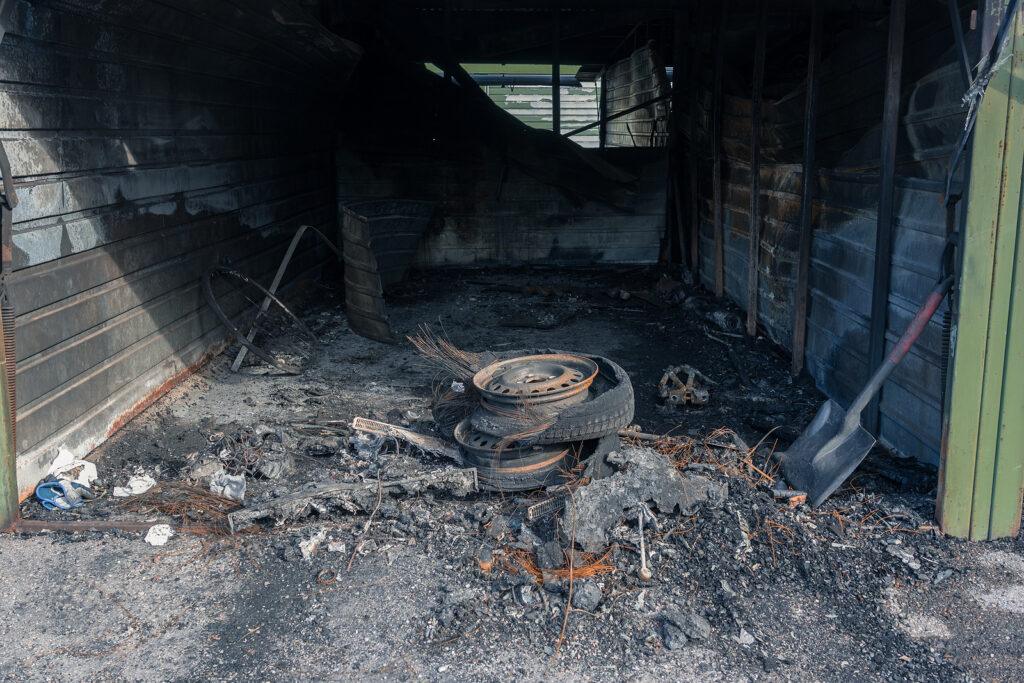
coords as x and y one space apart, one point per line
200 510
444 356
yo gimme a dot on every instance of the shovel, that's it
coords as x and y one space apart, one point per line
834 443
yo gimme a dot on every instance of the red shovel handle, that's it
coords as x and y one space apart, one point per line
921 318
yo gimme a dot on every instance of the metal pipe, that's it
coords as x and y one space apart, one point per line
887 190
754 251
809 175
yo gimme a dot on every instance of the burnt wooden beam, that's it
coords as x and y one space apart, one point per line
809 182
757 98
886 196
716 142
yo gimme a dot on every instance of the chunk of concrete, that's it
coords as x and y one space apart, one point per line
586 595
693 625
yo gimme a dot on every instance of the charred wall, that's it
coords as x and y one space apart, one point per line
491 212
148 141
845 209
505 193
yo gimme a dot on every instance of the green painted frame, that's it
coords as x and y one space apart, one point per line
981 478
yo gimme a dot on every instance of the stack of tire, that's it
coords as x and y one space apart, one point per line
540 414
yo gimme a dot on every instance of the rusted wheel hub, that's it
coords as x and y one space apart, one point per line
535 379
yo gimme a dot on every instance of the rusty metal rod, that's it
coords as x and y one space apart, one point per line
31 526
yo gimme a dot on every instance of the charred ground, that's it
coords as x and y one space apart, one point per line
443 587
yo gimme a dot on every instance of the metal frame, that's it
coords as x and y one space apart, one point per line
278 276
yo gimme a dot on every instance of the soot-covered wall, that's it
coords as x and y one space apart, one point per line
845 206
148 141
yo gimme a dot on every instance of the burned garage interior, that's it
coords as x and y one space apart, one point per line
463 339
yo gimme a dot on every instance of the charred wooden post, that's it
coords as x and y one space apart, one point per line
807 193
755 168
556 71
886 195
716 142
675 209
692 158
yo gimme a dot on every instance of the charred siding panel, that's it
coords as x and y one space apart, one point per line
147 141
845 220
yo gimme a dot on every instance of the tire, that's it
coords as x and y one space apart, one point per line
609 409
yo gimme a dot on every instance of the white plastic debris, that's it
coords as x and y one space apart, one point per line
64 466
136 485
158 534
310 547
458 387
228 485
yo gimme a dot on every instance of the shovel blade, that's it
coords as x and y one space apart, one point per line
818 462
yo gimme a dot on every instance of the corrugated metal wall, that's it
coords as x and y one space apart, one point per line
845 215
631 82
148 140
